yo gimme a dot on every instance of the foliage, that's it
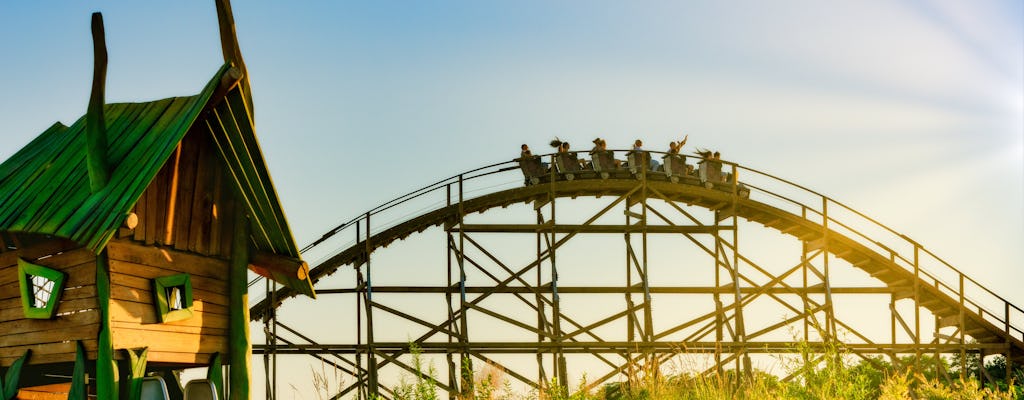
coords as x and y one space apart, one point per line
325 384
137 359
77 390
423 386
215 373
829 373
12 376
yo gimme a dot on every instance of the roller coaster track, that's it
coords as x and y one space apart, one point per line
907 269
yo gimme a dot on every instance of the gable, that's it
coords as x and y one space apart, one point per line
44 187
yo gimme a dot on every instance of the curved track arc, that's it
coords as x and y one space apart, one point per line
982 326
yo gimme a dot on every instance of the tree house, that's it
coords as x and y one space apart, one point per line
126 237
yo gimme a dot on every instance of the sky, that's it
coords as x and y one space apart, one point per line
909 111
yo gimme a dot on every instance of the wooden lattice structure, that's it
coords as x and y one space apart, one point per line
516 293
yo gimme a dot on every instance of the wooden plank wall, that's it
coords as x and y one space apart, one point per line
134 320
78 316
203 202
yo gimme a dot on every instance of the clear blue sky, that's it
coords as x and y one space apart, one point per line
911 111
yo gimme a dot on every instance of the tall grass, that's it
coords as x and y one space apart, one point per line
828 375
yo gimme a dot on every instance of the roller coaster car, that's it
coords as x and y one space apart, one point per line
636 159
710 171
568 164
533 169
675 166
603 162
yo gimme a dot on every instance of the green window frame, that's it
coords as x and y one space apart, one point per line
41 288
172 296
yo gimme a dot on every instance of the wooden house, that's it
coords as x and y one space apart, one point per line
133 230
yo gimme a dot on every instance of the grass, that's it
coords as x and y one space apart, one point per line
831 373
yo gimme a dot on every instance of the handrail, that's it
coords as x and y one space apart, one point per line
896 254
906 262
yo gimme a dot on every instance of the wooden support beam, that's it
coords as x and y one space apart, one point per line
228 38
278 267
942 322
232 52
240 355
617 347
106 368
545 289
619 229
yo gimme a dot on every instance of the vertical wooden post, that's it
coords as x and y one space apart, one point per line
741 328
719 321
95 125
453 372
558 363
360 371
1006 328
805 297
917 311
106 368
892 318
466 363
238 299
963 327
648 335
830 318
541 324
268 341
371 356
631 314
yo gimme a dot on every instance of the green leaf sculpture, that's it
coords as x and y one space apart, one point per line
215 374
77 391
137 371
13 375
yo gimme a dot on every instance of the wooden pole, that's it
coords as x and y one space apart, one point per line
95 125
106 369
371 353
228 37
241 347
230 49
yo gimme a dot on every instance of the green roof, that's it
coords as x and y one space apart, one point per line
44 187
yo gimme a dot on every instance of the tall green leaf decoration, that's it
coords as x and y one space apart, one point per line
215 373
13 375
77 391
136 371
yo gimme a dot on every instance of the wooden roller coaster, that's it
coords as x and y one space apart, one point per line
968 318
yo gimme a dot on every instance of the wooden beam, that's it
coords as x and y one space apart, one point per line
228 38
232 52
95 125
610 290
240 346
534 228
278 267
106 368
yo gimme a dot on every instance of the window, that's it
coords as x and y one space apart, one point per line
173 297
40 289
